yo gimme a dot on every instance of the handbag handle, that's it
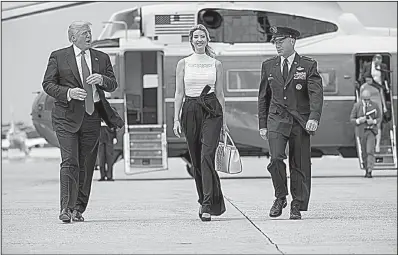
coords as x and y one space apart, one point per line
226 137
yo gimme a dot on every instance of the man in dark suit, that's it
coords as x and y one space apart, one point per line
290 104
378 71
77 77
366 115
105 152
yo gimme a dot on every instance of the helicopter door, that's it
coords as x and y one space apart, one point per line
145 144
386 157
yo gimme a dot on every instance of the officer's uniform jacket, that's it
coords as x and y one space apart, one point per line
299 98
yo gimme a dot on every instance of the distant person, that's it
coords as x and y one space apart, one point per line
377 96
97 162
105 152
290 101
378 71
366 115
77 77
199 78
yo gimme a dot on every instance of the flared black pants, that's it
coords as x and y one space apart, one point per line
201 121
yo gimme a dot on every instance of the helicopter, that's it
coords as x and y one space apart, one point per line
145 43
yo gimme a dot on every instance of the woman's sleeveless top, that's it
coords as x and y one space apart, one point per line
200 70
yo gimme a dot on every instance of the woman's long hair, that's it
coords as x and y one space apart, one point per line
208 50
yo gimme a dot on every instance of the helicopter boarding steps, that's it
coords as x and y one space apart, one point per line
385 159
145 148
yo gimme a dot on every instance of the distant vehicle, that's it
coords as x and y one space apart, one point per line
22 139
146 43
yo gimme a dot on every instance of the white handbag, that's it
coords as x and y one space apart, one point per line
227 157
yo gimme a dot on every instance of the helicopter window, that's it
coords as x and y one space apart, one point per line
247 26
328 80
117 72
248 80
243 80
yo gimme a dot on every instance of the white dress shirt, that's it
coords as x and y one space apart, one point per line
87 56
290 60
376 73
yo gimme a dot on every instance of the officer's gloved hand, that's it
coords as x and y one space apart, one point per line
312 125
263 133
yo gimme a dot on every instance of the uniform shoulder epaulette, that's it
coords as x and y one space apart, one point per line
307 58
270 59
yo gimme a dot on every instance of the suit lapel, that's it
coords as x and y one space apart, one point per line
362 109
277 70
371 107
94 62
71 59
293 69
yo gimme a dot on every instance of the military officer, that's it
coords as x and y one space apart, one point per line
290 104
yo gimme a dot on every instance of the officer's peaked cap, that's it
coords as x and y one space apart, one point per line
284 32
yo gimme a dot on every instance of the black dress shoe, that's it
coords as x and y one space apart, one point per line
101 179
295 212
65 215
77 216
368 175
276 209
110 179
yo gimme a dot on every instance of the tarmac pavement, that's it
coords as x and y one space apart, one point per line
156 212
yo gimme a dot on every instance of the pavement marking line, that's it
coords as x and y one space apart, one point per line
264 234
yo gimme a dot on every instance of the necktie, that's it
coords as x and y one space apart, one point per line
89 101
285 69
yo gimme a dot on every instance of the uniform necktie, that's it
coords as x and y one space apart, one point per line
89 101
285 69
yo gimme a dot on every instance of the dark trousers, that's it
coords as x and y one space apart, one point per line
76 149
105 157
299 164
368 143
202 131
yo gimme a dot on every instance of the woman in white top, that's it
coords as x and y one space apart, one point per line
199 79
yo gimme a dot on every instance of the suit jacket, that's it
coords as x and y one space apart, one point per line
367 69
62 73
299 98
358 111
